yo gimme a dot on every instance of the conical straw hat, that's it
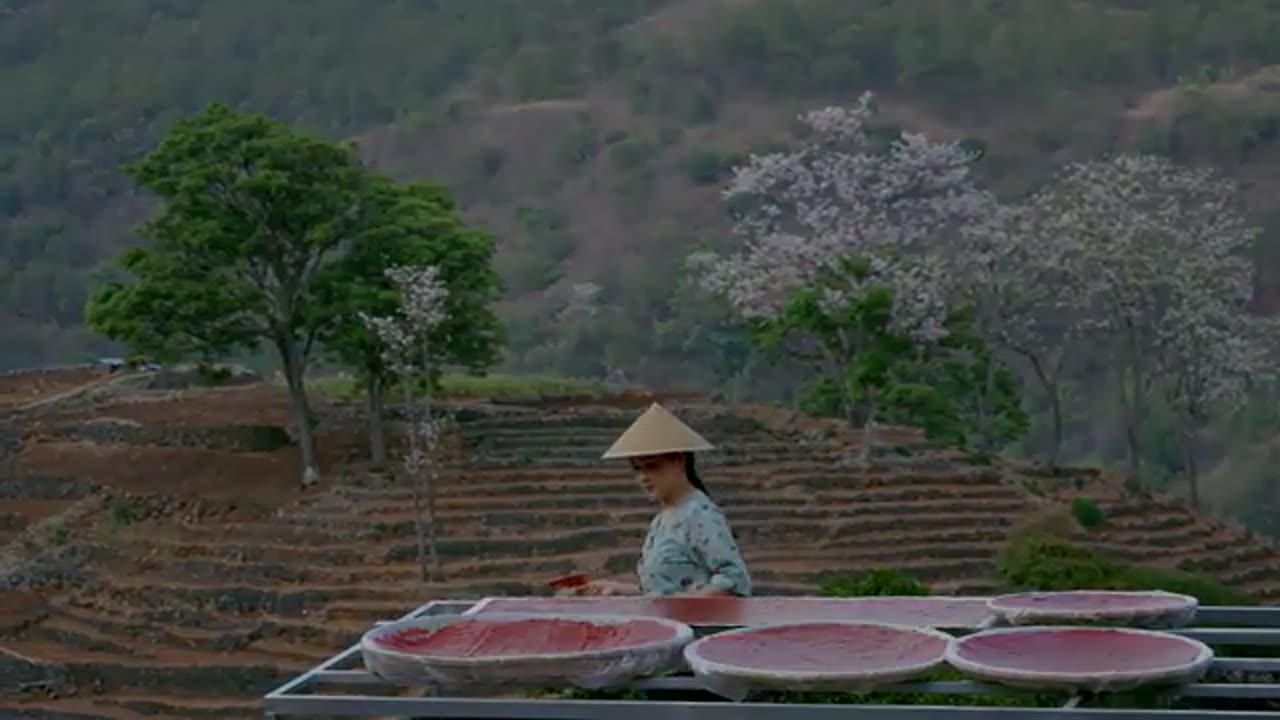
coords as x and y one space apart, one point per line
656 432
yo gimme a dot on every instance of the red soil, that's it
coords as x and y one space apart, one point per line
262 404
29 387
178 471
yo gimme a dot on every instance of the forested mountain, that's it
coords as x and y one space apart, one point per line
593 137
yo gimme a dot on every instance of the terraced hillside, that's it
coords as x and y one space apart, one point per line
189 574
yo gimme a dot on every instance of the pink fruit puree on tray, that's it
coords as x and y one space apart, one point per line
758 611
523 651
824 648
824 656
1152 608
531 636
1094 658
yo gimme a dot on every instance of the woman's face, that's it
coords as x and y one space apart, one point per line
661 476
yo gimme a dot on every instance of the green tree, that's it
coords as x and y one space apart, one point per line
251 214
854 345
412 226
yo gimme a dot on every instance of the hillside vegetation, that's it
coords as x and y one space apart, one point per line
593 139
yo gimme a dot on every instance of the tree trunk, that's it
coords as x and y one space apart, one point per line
432 541
1135 410
985 439
294 369
1134 460
374 385
1193 469
415 470
1049 383
432 462
868 432
1055 408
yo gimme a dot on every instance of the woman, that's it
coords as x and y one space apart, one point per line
690 549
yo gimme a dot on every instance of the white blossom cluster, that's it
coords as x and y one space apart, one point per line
1160 260
844 197
422 307
422 455
422 295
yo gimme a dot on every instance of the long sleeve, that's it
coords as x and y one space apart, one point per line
711 543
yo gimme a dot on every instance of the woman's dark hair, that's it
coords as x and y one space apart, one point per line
691 472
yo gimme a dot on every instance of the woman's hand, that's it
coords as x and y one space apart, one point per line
605 588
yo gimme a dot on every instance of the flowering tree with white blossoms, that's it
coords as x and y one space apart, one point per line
1211 351
405 339
1160 253
845 245
1024 295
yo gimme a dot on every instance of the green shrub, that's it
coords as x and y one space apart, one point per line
703 109
631 154
579 145
703 166
670 135
1049 563
885 581
548 232
524 271
490 160
212 375
1087 513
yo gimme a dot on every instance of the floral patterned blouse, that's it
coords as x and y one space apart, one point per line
690 546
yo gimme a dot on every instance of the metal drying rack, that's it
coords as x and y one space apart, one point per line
333 689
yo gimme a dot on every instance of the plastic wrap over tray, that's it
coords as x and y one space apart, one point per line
1146 609
727 611
523 651
1075 658
819 657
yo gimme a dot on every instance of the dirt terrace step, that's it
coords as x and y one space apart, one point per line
102 634
794 483
775 474
708 425
748 534
502 523
1221 560
180 707
616 558
726 494
168 549
597 439
34 486
723 490
925 569
224 597
201 679
12 522
1175 538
